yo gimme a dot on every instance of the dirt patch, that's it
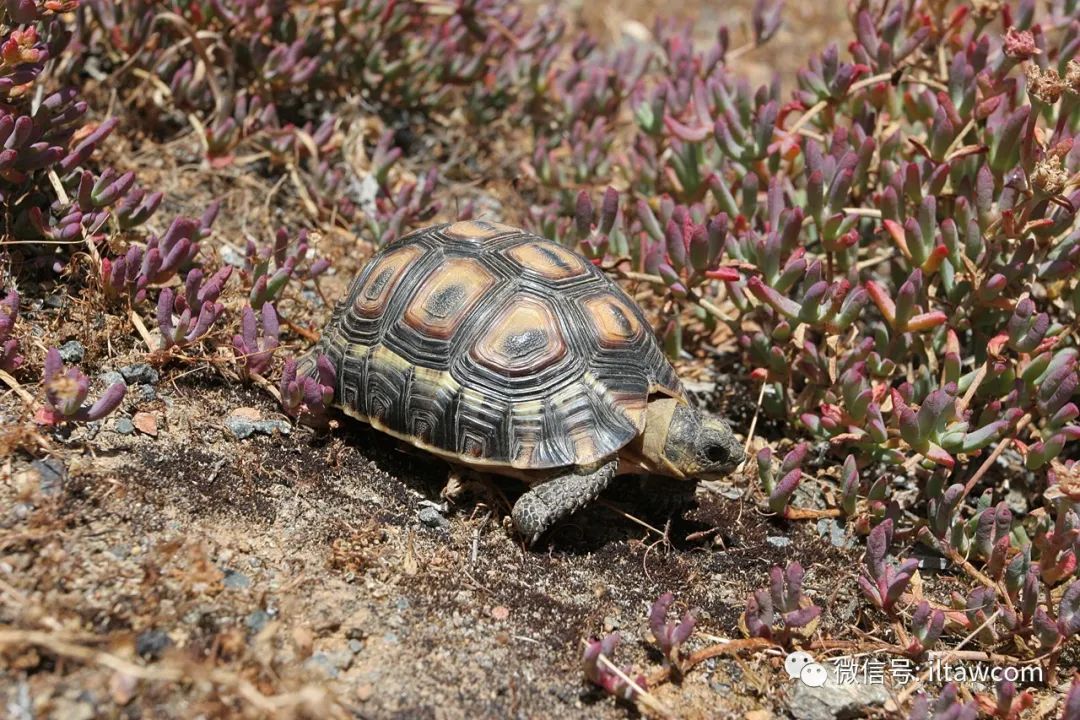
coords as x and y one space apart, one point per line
301 560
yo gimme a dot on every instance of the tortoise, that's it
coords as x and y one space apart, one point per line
511 354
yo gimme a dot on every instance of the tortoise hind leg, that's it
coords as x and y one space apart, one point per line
546 504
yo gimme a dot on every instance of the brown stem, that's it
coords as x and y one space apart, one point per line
798 513
720 649
994 456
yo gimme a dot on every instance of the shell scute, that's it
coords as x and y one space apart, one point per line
523 339
382 278
448 295
616 324
549 260
477 230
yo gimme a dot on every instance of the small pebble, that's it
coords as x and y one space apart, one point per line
243 428
139 374
119 551
319 661
51 473
148 393
433 518
236 580
150 644
269 427
112 377
355 646
240 427
778 541
230 257
146 423
256 620
124 426
72 351
828 527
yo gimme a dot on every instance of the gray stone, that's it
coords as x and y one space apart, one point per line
778 541
124 426
240 427
833 699
828 527
342 659
1017 501
355 646
111 378
92 429
321 663
269 427
230 257
150 644
730 492
433 518
331 664
256 620
244 428
52 474
54 301
119 551
72 351
139 374
235 580
148 393
720 688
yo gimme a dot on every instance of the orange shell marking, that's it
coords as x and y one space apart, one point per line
477 230
548 259
615 323
523 339
380 282
447 296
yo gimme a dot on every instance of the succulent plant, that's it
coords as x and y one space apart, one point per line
669 636
601 675
927 625
255 354
130 275
947 705
781 611
66 391
288 263
308 396
882 583
9 345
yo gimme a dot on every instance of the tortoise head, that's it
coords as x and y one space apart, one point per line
682 441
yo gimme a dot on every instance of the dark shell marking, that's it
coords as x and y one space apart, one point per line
491 345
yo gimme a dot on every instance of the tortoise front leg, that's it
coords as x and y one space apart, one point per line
561 496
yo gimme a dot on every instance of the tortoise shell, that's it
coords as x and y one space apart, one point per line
493 346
